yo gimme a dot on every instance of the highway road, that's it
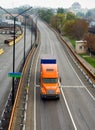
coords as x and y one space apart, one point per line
76 108
6 65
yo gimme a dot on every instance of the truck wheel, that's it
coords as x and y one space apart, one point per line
58 98
42 97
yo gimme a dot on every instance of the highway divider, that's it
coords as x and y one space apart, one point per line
1 51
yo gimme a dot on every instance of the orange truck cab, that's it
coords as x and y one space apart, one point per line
49 85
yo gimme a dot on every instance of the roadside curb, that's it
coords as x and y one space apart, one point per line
1 51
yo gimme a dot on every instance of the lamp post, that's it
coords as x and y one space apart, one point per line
14 18
24 38
31 31
30 24
25 24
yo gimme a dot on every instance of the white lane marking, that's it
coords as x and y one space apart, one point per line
68 109
51 46
62 86
50 43
34 108
35 98
75 128
80 79
90 93
35 94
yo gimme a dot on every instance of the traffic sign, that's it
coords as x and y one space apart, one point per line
15 74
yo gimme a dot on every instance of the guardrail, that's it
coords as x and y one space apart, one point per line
1 51
89 73
83 65
21 82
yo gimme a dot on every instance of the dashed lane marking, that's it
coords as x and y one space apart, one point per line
62 86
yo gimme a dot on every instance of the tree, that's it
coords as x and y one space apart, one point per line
46 14
80 27
76 28
60 11
70 16
90 38
57 21
68 27
53 21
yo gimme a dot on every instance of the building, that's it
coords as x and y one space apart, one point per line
81 47
7 24
9 17
75 8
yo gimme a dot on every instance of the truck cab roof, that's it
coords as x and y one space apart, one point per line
49 70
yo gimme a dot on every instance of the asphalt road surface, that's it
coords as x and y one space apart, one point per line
76 108
6 65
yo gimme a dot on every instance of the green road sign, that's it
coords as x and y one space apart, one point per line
15 74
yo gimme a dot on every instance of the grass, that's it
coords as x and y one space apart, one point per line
89 59
73 42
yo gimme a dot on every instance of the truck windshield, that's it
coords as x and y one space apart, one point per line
50 80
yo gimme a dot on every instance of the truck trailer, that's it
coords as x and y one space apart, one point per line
49 84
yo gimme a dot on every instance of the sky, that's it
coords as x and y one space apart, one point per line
47 3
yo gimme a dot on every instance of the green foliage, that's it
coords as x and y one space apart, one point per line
76 28
73 42
46 14
60 10
63 22
68 27
58 21
89 59
70 16
90 38
53 21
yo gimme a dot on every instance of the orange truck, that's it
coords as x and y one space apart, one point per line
49 78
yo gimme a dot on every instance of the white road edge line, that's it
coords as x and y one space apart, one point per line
68 110
80 79
35 98
35 95
34 108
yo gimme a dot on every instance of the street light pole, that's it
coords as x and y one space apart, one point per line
14 46
24 39
13 63
31 31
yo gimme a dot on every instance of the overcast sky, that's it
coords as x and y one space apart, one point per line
46 3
